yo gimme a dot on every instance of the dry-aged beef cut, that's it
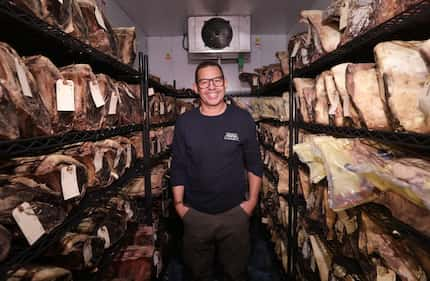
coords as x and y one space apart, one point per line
51 169
108 91
33 118
377 237
325 35
403 74
133 263
116 156
86 115
126 37
9 127
350 114
46 75
54 12
279 168
335 110
95 161
183 106
271 108
425 51
305 87
363 89
360 18
100 33
127 149
40 273
277 136
321 105
5 242
79 28
77 251
284 60
136 141
16 190
128 105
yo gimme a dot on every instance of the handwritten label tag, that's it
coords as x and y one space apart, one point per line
255 81
98 160
96 94
28 222
69 182
113 103
151 92
65 90
103 233
23 81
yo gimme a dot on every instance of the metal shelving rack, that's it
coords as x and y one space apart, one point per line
409 25
64 49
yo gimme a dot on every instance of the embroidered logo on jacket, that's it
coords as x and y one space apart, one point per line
231 136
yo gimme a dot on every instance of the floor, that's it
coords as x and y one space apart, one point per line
263 265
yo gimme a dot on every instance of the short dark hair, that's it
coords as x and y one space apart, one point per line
206 64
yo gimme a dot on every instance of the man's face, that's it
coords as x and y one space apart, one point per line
210 86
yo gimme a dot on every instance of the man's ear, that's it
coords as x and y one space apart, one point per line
195 89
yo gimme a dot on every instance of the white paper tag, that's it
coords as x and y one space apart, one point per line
98 160
151 92
96 94
69 182
65 90
118 156
128 158
162 109
295 49
113 103
103 233
183 109
343 21
61 2
28 222
22 77
99 18
264 220
255 81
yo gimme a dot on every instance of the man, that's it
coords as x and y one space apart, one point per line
213 151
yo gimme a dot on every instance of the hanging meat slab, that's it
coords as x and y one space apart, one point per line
403 76
363 89
100 33
22 90
126 37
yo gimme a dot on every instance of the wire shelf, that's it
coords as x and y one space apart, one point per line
46 144
407 140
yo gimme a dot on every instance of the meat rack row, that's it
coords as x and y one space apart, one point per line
409 25
38 37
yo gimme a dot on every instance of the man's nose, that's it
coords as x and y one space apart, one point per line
211 84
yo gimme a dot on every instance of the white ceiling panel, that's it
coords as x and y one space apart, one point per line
168 17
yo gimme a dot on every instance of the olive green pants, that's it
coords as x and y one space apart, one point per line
222 238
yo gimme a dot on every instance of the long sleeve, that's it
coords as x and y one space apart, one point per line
178 165
251 149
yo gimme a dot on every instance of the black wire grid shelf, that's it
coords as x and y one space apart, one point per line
408 140
42 145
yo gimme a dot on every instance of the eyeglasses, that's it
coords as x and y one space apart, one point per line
217 82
